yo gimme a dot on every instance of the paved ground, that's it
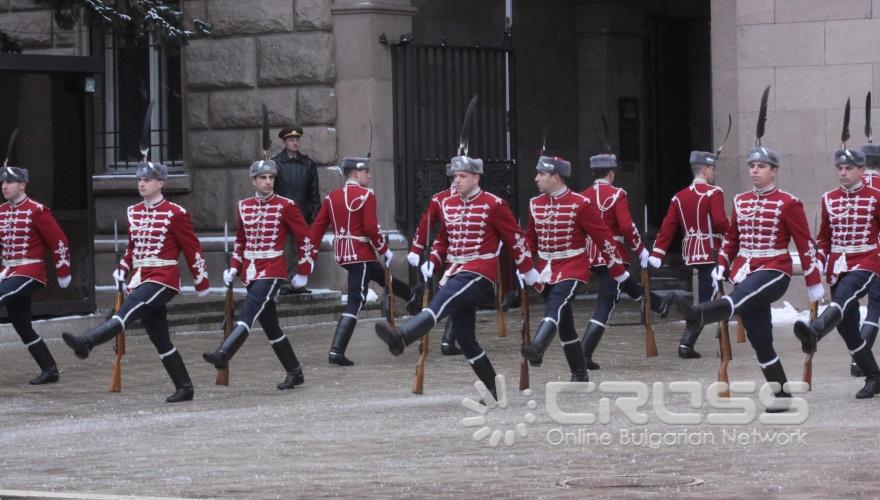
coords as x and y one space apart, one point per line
360 432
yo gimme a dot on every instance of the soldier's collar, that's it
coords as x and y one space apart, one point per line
154 202
262 198
852 189
17 202
763 192
352 182
602 181
700 180
560 192
476 192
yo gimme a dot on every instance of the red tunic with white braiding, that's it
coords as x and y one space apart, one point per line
759 233
471 233
27 232
357 237
157 234
432 213
559 226
871 178
263 226
847 237
613 204
692 209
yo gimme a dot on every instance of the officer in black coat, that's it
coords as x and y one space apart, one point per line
297 180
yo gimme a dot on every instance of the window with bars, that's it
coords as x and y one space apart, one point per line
136 72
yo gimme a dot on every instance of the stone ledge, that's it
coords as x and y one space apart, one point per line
127 183
374 8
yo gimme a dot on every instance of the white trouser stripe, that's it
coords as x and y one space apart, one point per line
756 292
859 348
572 341
474 359
858 292
263 305
169 353
26 283
765 365
39 339
279 339
135 308
456 294
597 323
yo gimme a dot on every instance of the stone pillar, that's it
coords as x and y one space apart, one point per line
364 87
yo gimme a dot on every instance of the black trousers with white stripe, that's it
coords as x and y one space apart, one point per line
260 305
147 303
15 295
557 308
751 299
845 295
359 277
459 299
872 318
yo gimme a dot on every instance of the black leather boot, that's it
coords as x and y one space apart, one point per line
177 371
83 344
230 345
686 344
291 365
775 373
414 329
485 372
810 333
589 342
344 331
49 370
576 361
864 358
447 345
534 352
698 315
868 332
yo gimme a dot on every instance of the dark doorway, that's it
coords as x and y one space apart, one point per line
49 105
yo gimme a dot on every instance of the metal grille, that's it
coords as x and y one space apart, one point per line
136 71
432 87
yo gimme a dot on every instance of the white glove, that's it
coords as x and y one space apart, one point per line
299 281
428 270
643 257
623 277
530 277
654 262
816 292
119 277
63 282
413 259
389 256
718 273
229 275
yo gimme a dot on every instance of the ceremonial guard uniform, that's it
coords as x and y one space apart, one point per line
28 231
264 222
357 240
613 204
871 323
847 242
755 251
473 225
432 216
559 224
158 231
698 210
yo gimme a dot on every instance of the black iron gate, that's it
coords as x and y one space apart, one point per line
432 87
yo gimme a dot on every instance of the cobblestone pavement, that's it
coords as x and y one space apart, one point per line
359 431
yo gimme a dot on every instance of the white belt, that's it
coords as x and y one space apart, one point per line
352 237
701 236
773 252
619 238
454 259
19 262
852 248
153 262
265 254
564 254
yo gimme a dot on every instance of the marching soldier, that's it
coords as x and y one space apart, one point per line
27 232
357 240
693 209
755 251
613 204
264 222
871 323
433 215
158 231
473 225
560 221
847 242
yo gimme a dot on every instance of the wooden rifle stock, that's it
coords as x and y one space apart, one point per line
116 371
740 331
808 360
499 298
228 308
389 297
650 340
526 338
419 380
726 352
